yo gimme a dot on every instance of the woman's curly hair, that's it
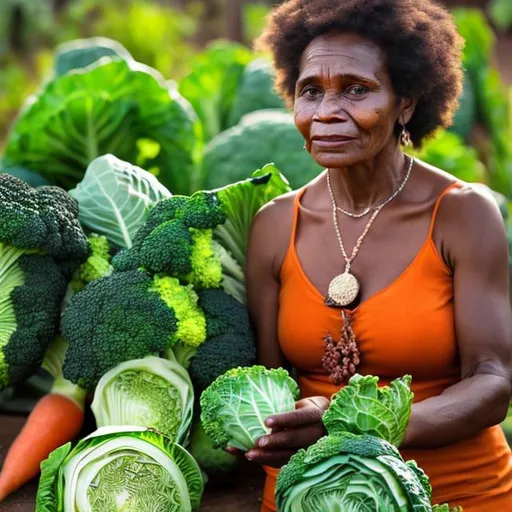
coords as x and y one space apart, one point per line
419 38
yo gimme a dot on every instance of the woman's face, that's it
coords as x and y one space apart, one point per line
345 106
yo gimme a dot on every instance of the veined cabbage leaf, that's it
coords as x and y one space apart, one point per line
235 406
362 407
115 197
111 106
120 470
149 392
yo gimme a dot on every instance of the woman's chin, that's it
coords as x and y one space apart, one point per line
335 160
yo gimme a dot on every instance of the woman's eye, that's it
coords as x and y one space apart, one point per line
357 90
311 92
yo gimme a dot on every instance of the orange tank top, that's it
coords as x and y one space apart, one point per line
406 328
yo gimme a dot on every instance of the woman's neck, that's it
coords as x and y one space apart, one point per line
370 183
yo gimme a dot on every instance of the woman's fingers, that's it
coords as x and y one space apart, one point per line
234 451
275 459
308 411
296 438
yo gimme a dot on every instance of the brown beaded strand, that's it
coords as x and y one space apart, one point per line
341 357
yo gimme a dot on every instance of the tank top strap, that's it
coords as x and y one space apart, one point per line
450 187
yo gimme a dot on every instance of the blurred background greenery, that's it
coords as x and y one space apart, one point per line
203 49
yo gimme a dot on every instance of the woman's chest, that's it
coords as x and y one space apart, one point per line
405 328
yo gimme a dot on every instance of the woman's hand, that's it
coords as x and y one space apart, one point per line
290 431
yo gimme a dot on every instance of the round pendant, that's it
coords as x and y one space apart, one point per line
343 290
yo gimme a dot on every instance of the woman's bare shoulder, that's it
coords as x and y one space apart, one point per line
271 230
277 212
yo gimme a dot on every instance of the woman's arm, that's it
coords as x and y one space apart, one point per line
267 247
477 251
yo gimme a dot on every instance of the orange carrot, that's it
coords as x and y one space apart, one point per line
54 421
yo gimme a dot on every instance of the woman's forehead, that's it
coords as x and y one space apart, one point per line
342 53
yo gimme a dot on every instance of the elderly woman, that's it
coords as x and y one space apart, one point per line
383 264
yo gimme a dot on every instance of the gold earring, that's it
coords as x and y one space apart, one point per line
405 137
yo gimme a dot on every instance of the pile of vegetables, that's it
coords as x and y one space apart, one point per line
146 311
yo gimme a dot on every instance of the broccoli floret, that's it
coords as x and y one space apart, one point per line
97 264
191 330
230 340
204 211
114 319
213 266
31 290
223 313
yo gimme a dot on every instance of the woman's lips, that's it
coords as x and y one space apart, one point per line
331 142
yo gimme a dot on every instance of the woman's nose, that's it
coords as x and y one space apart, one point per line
330 110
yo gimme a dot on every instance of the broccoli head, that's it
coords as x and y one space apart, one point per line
43 219
230 340
114 319
31 291
41 244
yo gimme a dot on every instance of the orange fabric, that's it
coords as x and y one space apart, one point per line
407 328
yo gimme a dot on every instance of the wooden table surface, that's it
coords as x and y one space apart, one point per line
239 493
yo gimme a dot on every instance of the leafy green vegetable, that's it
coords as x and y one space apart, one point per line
108 107
41 244
120 470
260 137
479 38
81 53
256 90
446 508
115 198
149 392
234 408
212 84
214 461
349 473
466 114
362 407
447 151
500 12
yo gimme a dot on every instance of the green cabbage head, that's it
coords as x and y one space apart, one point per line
120 469
149 392
362 407
235 406
351 473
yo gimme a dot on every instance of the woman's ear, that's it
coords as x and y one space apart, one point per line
406 109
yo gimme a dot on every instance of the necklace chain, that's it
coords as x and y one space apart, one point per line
388 200
348 261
